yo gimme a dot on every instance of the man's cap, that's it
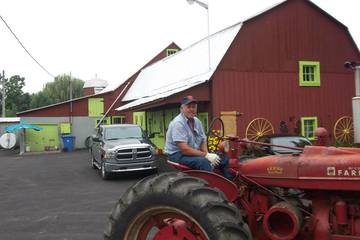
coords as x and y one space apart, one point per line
188 99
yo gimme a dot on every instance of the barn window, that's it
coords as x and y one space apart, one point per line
171 51
309 74
308 126
118 119
105 121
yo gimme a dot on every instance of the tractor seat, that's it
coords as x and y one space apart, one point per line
179 166
184 168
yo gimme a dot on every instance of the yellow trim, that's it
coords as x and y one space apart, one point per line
65 128
309 83
314 126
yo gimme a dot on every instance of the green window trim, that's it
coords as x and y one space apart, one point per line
171 51
309 73
308 126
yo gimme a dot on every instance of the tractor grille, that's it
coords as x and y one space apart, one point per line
133 155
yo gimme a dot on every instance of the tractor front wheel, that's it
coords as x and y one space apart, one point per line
174 206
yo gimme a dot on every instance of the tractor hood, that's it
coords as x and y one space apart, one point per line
316 168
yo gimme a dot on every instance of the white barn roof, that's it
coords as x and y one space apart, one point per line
178 72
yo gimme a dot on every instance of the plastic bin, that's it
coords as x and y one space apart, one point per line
68 143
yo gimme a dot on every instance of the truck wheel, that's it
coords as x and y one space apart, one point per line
88 142
174 206
104 174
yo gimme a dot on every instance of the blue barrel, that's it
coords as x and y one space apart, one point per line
68 142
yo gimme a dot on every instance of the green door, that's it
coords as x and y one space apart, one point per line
96 107
139 119
156 125
203 117
44 140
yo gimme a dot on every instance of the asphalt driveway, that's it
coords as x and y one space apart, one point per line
55 196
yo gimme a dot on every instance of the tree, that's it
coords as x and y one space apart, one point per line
38 100
57 91
15 99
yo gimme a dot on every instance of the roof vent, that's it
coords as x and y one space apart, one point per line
94 85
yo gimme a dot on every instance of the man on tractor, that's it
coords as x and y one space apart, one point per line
186 141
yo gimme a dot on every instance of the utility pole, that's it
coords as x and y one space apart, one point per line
3 114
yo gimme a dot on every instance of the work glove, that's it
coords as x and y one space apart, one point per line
213 158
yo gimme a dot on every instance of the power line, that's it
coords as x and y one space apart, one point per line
22 45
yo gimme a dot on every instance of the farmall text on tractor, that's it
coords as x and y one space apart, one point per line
312 194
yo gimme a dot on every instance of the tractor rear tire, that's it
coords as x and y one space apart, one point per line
175 195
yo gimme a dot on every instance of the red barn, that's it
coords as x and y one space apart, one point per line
280 71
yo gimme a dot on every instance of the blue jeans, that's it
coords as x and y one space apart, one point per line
201 163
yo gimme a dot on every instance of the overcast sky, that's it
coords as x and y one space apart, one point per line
114 38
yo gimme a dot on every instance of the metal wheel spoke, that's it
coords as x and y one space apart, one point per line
258 125
342 135
261 125
268 128
252 134
253 127
348 123
267 131
341 124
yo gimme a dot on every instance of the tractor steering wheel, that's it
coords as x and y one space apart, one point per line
214 136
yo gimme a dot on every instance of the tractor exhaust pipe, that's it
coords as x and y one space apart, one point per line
356 117
282 221
356 100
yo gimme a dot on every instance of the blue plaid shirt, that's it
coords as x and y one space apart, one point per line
180 131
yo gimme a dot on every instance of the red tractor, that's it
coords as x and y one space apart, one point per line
312 194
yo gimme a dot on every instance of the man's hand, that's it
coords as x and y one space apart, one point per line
213 158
